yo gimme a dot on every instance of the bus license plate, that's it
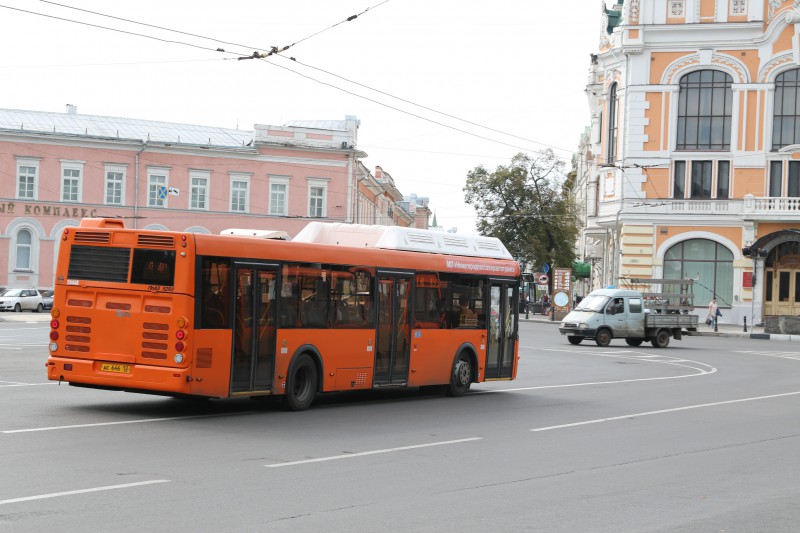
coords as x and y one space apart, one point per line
115 367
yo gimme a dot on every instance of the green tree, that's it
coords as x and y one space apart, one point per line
527 206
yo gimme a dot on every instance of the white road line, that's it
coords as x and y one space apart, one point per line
99 424
662 411
372 452
82 491
6 384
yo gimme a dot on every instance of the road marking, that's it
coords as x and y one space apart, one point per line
82 491
662 411
6 384
701 369
371 452
782 355
99 424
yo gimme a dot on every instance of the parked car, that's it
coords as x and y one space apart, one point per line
21 299
47 299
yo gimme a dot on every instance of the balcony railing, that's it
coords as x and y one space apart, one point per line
748 207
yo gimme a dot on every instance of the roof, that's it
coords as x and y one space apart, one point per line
98 126
614 17
318 124
401 238
615 293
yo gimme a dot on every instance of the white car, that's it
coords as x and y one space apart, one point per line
20 299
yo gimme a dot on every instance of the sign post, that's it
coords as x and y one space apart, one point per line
562 292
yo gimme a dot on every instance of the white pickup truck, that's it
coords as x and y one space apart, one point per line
607 314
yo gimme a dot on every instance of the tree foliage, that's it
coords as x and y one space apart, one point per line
526 205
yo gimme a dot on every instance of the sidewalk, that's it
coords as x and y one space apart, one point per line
723 330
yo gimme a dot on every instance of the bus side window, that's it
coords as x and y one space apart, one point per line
214 293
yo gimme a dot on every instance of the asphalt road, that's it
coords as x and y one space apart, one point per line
701 436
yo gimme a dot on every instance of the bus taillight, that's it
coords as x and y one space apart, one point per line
54 324
180 334
179 346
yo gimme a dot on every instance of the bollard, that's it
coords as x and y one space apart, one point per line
745 324
716 319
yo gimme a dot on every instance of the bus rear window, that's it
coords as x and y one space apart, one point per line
153 267
99 263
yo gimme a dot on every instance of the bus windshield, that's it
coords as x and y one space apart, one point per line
594 303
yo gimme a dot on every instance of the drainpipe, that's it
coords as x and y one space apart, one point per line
136 189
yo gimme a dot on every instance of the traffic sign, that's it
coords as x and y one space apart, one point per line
542 279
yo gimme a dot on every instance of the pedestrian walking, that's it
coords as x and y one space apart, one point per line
711 320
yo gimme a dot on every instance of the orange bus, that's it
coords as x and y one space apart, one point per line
339 307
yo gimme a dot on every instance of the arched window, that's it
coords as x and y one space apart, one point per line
709 263
704 111
786 112
23 250
611 137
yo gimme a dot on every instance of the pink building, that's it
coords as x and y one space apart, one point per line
61 167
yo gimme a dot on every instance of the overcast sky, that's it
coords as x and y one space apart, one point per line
518 68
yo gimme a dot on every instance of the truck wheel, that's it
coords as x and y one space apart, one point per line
573 339
634 342
661 339
603 338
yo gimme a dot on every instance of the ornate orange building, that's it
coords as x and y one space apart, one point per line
691 168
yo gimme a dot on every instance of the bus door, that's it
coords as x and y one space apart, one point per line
253 328
394 328
502 330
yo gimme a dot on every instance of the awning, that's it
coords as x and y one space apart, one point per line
581 269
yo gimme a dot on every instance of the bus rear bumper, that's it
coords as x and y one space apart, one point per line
119 376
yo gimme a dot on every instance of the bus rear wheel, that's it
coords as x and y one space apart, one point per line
301 385
461 377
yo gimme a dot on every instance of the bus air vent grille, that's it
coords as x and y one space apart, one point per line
488 246
99 263
99 237
456 242
163 241
421 238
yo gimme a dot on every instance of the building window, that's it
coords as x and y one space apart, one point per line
791 187
23 250
709 263
705 179
704 111
71 174
611 138
115 185
679 180
738 7
278 196
240 197
157 188
786 113
317 193
198 194
27 172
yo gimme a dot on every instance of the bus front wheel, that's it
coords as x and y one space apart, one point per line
301 385
461 377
